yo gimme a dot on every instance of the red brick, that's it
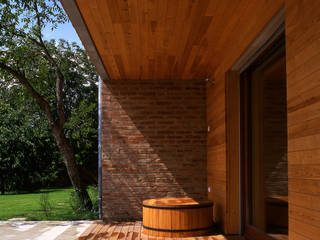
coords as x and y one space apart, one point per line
153 143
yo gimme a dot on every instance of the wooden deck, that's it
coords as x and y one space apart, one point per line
133 231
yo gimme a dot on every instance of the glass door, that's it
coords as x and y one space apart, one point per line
264 145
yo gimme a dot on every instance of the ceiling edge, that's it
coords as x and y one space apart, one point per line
75 16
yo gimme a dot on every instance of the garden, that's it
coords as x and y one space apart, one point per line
48 116
47 204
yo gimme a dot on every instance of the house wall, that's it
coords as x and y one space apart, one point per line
303 108
243 25
303 97
153 143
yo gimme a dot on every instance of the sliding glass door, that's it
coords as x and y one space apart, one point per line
264 145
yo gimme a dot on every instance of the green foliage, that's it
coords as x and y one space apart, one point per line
94 195
21 24
77 207
29 157
45 203
82 130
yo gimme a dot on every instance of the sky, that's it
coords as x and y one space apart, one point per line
65 31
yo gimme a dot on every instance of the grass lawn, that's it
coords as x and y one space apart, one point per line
28 206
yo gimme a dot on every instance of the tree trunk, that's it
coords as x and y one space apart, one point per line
67 153
2 186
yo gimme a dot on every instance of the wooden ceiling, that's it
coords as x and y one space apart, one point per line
162 39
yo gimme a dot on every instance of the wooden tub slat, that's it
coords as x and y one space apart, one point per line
176 217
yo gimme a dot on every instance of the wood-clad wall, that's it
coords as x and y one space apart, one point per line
303 97
242 25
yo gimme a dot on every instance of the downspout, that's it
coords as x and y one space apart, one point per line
100 148
76 18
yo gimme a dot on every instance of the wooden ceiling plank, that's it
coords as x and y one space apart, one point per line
186 13
161 39
111 49
199 26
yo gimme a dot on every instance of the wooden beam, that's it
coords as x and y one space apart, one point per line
269 33
233 152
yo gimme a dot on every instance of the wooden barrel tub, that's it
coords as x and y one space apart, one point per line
177 217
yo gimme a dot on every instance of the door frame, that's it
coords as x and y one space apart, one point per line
235 204
249 230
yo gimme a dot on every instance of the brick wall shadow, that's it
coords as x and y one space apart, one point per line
154 143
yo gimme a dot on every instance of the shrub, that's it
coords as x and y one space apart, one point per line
45 203
83 213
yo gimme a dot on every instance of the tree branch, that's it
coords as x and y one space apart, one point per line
24 81
59 75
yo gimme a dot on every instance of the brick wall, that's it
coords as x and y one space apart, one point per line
153 143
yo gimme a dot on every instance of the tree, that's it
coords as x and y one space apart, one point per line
43 67
28 158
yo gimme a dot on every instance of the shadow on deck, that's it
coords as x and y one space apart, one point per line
133 231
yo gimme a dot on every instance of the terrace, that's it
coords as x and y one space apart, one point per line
207 99
133 231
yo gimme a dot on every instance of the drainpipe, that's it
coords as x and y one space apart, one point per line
100 148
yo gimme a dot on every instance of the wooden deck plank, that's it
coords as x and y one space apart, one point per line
101 232
107 235
130 231
140 232
116 232
124 231
136 231
88 231
95 232
143 236
133 231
